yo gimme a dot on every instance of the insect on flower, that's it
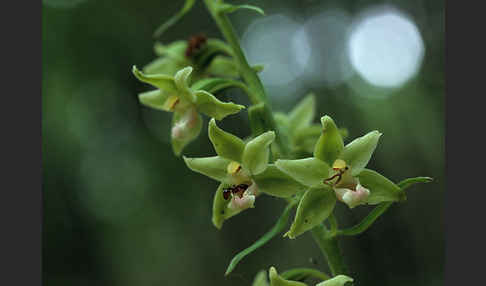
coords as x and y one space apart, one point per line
236 190
340 167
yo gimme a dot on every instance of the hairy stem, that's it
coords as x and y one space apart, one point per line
330 248
256 90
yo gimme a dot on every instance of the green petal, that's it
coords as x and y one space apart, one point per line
212 107
213 167
314 207
276 280
181 80
276 183
185 128
161 81
261 279
303 114
339 280
381 189
330 143
310 172
255 155
225 144
358 153
154 99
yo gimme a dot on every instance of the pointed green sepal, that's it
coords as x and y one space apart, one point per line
174 19
155 99
212 107
225 144
229 8
181 79
277 183
213 167
303 114
315 206
255 156
330 143
260 279
339 280
407 183
276 280
310 172
381 189
358 153
161 81
185 128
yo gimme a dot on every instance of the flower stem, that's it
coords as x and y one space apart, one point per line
367 221
256 90
329 246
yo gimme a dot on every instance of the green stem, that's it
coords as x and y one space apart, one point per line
256 90
367 221
330 248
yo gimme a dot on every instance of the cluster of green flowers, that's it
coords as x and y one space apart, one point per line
317 171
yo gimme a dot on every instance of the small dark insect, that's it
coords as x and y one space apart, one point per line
194 44
236 190
339 175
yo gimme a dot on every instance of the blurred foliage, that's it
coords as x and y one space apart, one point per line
120 209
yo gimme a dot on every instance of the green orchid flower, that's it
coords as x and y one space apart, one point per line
347 180
298 127
243 172
175 95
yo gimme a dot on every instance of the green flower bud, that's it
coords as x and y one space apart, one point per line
314 207
339 280
276 280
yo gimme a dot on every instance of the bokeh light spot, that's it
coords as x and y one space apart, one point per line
385 47
275 42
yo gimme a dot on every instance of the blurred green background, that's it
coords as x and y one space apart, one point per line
120 209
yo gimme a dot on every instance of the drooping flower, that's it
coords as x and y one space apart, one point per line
175 95
243 172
